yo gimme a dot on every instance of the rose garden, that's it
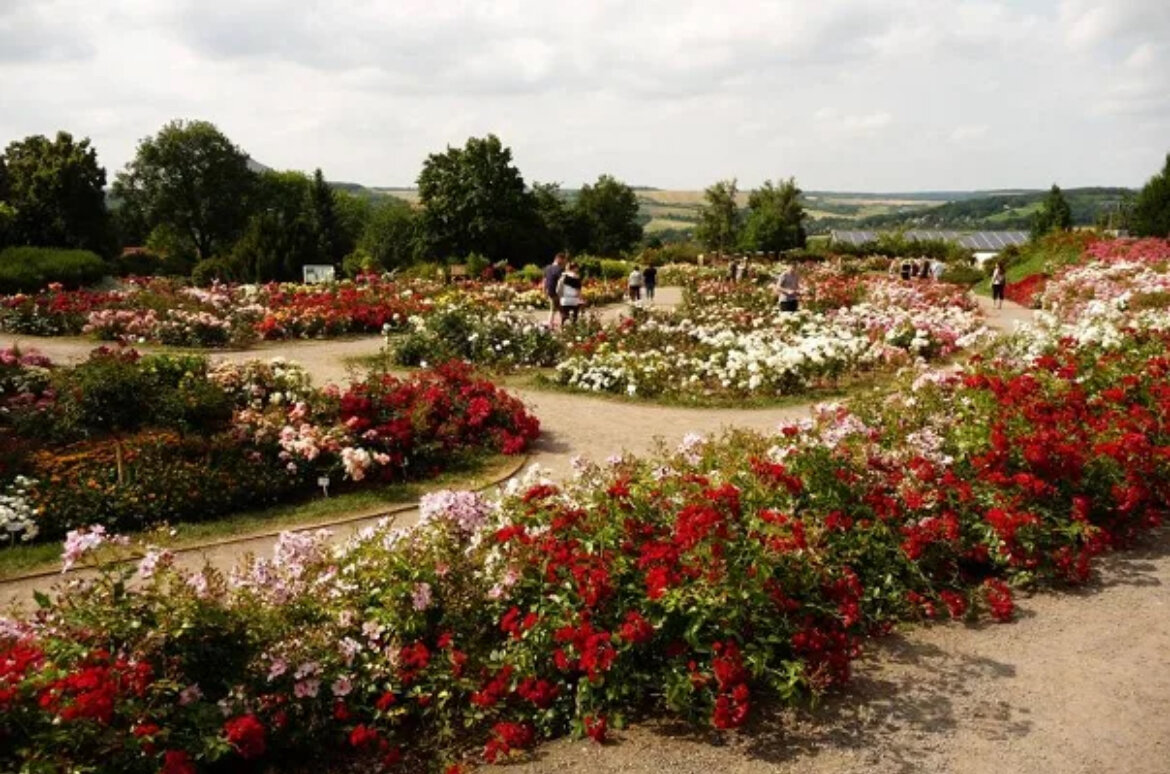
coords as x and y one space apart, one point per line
955 467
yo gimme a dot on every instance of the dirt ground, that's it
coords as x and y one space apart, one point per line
1080 683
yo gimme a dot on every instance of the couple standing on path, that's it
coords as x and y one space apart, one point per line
562 285
640 279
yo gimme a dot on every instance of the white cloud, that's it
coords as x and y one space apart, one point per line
877 94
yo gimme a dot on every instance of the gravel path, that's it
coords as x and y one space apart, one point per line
1081 683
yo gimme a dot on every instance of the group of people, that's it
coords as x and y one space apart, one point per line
918 268
562 287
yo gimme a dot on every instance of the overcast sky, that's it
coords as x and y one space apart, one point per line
866 95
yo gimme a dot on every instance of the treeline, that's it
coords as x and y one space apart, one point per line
191 202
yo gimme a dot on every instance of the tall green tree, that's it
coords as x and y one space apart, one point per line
474 201
719 218
391 234
192 180
1054 214
608 213
280 238
55 189
775 219
1151 209
331 243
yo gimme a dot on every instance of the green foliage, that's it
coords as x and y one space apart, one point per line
775 218
390 235
281 238
719 219
474 201
55 196
962 274
1151 209
213 270
608 215
192 179
29 269
1054 214
359 262
327 228
475 265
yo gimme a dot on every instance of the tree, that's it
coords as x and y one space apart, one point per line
55 189
775 218
391 234
719 222
326 224
280 238
1151 209
192 179
608 212
1054 214
474 201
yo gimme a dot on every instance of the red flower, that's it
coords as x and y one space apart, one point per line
177 762
385 701
507 737
363 736
246 733
999 599
636 629
596 727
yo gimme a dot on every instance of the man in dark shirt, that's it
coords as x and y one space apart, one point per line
650 281
552 275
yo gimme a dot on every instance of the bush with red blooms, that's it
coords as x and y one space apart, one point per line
697 582
1027 291
433 414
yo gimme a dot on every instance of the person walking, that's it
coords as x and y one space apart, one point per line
937 269
906 268
552 277
635 284
650 281
788 289
569 293
998 285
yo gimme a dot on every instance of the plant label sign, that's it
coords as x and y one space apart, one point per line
315 273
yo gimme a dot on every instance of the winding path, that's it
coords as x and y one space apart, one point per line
1081 683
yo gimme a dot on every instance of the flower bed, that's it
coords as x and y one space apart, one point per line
128 442
168 312
1121 273
695 582
731 340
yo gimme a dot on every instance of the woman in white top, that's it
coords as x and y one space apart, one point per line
635 284
569 291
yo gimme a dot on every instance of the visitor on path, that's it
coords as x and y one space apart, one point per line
650 281
924 272
552 276
937 269
569 294
907 266
635 283
998 285
788 289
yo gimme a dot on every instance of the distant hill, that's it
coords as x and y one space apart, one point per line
676 211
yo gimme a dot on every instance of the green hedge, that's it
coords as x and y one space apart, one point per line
29 269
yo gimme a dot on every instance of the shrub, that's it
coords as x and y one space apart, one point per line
961 274
212 270
29 269
359 262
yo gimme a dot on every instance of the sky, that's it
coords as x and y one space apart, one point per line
866 95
